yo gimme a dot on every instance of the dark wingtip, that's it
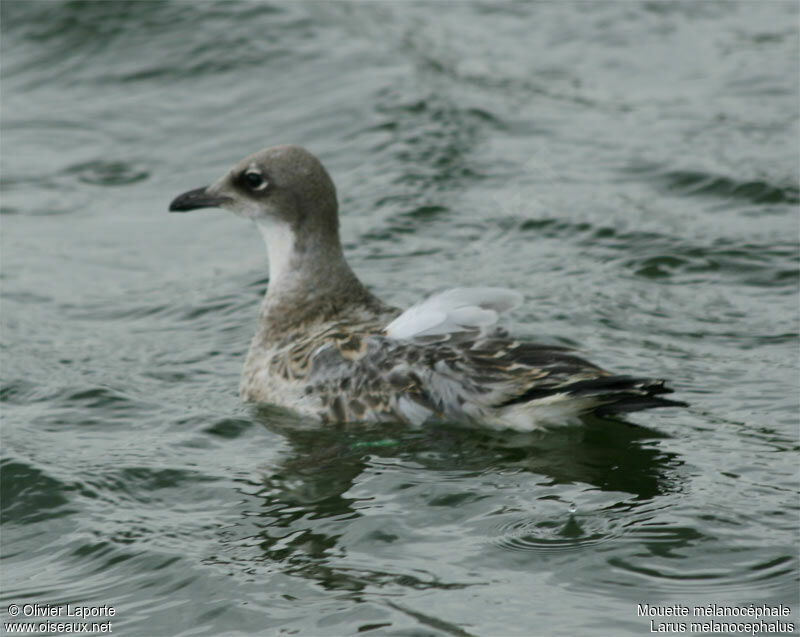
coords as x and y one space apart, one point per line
196 199
644 394
617 393
628 403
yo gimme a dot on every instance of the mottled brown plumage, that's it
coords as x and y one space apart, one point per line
326 347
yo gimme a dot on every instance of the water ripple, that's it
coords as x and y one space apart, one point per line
529 534
108 173
696 183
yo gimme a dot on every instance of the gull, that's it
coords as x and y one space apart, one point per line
327 348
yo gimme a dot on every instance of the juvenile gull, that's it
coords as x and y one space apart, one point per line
327 348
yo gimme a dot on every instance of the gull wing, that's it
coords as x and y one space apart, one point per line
455 310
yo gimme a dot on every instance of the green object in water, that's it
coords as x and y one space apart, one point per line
386 442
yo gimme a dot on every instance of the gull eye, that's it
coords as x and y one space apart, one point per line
255 180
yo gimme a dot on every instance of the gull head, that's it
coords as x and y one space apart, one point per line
282 185
288 193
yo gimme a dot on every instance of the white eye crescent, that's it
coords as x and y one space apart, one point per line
255 180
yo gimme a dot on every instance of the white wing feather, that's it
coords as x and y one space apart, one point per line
453 310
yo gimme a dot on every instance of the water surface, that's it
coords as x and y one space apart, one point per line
631 168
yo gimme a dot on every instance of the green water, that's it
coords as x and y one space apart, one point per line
631 168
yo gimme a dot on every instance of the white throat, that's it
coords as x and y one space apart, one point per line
280 248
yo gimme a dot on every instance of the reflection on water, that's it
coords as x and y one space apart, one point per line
309 502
